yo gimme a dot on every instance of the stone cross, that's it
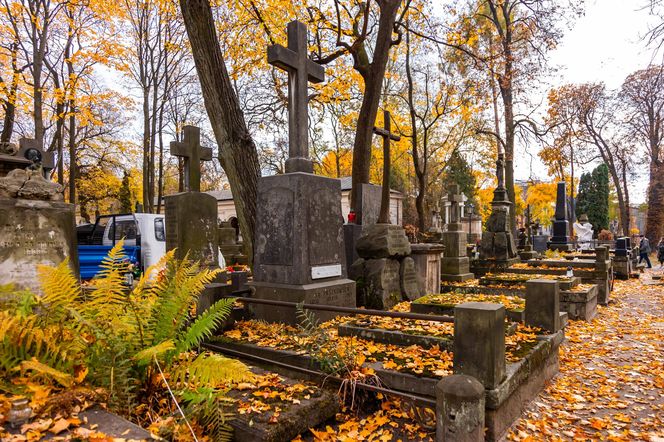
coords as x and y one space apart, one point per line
455 197
301 70
385 132
190 149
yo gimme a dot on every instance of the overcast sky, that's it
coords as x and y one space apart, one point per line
606 44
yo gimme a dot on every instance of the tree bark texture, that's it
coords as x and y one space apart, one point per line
655 214
373 74
237 151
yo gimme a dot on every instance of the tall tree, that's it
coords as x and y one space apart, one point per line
643 94
237 151
508 38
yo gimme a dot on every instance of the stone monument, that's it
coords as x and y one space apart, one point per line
386 273
366 213
36 226
584 233
528 252
191 216
497 248
455 264
299 245
560 239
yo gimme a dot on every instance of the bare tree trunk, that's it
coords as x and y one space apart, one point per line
10 102
147 204
655 214
237 151
73 169
373 74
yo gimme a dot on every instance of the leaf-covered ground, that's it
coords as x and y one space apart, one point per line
611 380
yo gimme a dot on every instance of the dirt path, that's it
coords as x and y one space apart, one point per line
611 381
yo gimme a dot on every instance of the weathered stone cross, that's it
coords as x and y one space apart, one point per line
455 198
190 149
385 132
301 70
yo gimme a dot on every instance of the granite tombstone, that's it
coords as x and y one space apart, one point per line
299 242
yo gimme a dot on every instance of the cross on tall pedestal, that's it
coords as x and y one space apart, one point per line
455 197
190 149
385 132
301 70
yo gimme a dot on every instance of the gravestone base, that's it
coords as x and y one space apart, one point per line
191 227
560 247
352 233
34 232
622 267
427 262
340 292
455 269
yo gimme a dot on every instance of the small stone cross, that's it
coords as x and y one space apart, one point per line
190 149
385 132
301 70
455 197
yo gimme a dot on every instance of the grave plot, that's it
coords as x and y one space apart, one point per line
577 299
444 303
512 366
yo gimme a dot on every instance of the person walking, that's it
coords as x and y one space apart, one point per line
660 252
644 251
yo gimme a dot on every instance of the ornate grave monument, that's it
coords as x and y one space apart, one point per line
387 271
527 252
455 265
497 248
560 239
36 226
299 246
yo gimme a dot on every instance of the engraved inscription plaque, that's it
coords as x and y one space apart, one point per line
325 271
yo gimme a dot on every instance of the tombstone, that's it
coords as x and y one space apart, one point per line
497 247
191 216
299 246
560 239
455 264
36 226
367 210
427 262
528 252
383 247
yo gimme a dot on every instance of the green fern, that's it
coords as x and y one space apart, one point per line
211 369
204 325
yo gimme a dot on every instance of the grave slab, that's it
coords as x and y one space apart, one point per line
34 232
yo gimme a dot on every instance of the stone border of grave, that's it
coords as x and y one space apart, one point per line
478 351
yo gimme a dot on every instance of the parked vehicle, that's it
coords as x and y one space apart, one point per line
144 237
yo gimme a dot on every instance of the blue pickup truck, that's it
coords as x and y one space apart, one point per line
144 237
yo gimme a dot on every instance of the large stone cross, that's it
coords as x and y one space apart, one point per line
385 132
190 149
301 70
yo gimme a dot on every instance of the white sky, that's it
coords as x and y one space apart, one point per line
606 44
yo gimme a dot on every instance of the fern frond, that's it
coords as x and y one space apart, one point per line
176 294
211 369
308 320
204 325
61 291
146 355
210 408
43 370
24 338
108 286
